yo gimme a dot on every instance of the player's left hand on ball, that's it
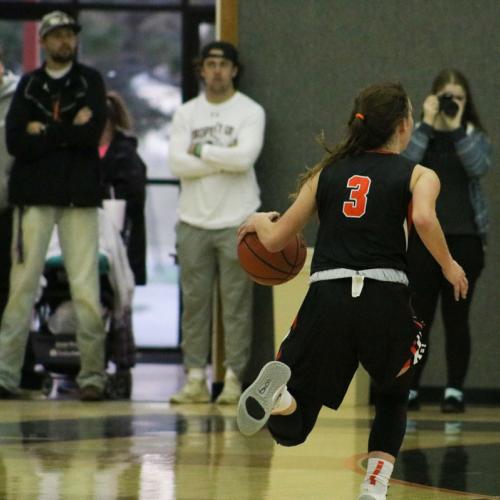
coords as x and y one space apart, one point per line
249 226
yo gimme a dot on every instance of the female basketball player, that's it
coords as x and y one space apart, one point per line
357 308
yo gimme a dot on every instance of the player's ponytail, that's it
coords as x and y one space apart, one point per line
377 112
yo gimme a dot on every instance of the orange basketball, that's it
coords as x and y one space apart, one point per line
267 268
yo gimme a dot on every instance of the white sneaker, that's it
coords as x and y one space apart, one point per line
194 391
257 402
230 393
367 495
372 496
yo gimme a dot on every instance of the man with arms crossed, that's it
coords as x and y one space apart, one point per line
53 128
215 141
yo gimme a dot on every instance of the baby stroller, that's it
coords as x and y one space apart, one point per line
52 344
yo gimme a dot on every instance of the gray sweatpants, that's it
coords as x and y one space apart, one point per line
78 235
203 254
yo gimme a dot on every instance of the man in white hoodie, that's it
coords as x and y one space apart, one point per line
8 84
214 143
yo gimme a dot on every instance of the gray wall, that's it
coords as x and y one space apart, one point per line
306 60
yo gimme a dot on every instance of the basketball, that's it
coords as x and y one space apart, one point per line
267 268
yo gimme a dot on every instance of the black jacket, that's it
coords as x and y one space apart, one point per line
125 172
59 167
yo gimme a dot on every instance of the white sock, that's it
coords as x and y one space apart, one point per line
451 392
378 473
412 395
196 374
284 401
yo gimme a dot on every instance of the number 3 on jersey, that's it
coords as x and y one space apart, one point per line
356 206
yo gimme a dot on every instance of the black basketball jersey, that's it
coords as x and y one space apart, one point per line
362 205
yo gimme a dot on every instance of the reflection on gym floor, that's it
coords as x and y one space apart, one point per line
145 449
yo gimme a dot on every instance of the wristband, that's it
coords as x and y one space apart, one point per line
197 150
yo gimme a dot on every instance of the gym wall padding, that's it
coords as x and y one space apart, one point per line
306 60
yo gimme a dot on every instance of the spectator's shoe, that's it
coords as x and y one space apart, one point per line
453 401
91 393
6 394
452 405
257 402
194 391
230 393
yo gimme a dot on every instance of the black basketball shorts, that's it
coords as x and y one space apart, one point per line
334 332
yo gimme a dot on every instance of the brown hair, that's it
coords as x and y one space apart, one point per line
118 114
455 76
378 110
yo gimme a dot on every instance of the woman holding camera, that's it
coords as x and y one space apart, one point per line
450 140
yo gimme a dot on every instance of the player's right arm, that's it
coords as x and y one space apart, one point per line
425 187
181 162
276 232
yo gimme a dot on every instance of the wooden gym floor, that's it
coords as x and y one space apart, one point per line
145 449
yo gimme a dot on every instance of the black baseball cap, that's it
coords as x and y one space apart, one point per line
214 49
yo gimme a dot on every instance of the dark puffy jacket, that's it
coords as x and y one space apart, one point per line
125 172
61 166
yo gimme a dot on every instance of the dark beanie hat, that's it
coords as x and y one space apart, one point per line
228 50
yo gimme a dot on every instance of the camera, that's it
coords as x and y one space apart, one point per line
447 105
